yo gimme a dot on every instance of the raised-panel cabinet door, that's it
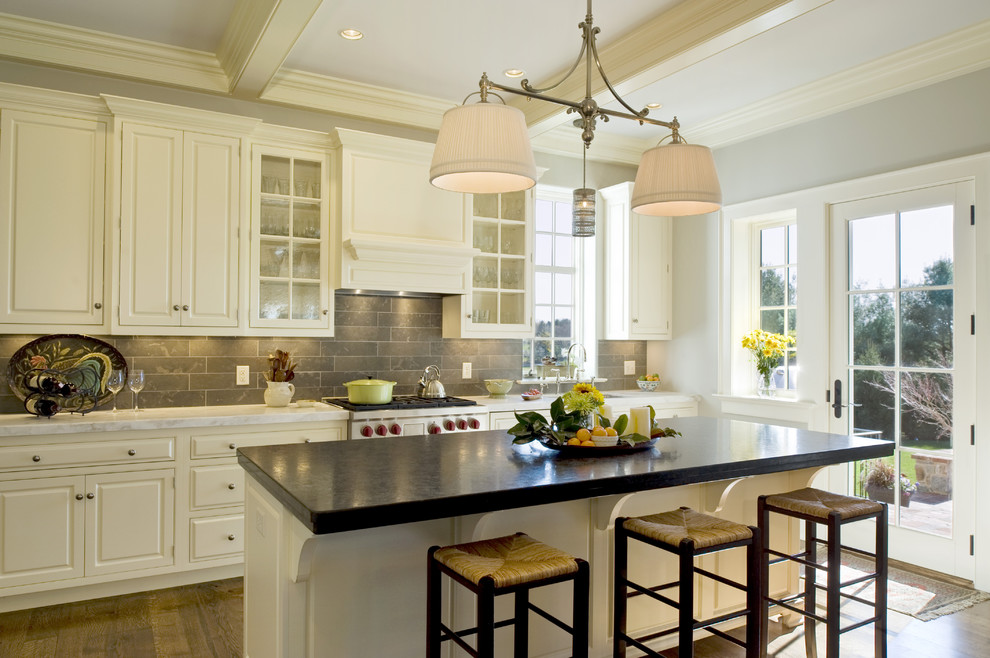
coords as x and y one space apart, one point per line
209 230
650 278
41 530
130 521
52 207
150 226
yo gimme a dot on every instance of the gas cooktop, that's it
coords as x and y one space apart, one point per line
402 402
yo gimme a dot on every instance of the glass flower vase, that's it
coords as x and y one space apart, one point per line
766 387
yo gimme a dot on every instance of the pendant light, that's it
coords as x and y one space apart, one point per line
583 220
484 147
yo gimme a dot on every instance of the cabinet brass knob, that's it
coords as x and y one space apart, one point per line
97 305
175 307
132 452
635 319
231 537
326 311
185 307
307 440
36 458
231 486
91 496
233 446
79 496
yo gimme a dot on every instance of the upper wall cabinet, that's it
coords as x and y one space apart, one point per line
396 231
179 200
638 278
52 210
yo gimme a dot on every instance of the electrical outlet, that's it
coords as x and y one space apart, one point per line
629 367
243 375
466 370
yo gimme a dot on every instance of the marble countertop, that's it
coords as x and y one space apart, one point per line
151 419
352 485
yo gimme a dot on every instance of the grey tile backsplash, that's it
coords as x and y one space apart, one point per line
386 337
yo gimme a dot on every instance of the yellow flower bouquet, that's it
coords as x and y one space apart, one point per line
767 348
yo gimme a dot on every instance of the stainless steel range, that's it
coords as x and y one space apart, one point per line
411 415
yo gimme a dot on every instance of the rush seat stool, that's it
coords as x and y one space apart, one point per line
815 507
515 565
687 534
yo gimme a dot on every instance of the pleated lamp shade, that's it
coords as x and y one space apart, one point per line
483 148
675 180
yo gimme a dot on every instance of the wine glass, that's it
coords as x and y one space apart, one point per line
115 384
135 382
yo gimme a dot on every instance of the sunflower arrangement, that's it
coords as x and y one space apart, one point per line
767 348
583 398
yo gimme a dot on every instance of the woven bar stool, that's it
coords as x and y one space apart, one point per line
814 506
506 565
687 534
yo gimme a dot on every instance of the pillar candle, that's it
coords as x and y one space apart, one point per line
640 420
606 410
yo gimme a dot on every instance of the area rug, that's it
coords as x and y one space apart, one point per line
922 597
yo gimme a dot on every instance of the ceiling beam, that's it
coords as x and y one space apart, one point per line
257 40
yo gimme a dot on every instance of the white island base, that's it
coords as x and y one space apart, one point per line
363 593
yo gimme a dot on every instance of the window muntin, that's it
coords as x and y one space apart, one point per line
776 296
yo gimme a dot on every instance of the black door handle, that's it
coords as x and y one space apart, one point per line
837 405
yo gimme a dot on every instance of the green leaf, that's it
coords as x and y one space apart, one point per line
621 423
633 438
556 409
653 415
522 440
603 421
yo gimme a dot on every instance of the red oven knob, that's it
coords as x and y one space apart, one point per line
395 428
461 424
475 424
434 429
367 432
381 430
448 425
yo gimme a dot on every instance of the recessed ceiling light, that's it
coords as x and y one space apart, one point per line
654 106
514 73
352 34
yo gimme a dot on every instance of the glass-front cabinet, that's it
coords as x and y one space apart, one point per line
497 305
290 240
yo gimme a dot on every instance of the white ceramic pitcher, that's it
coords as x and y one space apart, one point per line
278 394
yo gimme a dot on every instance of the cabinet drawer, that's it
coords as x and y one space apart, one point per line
216 536
216 486
676 412
80 454
226 445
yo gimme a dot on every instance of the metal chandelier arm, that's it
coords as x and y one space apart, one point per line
528 87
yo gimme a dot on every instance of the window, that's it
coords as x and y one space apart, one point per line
777 285
559 300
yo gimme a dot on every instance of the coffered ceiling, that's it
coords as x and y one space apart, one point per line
728 69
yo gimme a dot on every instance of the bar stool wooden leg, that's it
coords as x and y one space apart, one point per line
763 519
486 619
880 626
521 634
582 585
832 593
810 590
619 589
433 606
685 641
754 624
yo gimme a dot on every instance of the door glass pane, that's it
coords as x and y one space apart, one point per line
926 411
274 300
792 285
772 243
514 206
873 329
772 287
926 328
772 321
486 205
305 301
873 394
926 492
871 253
926 247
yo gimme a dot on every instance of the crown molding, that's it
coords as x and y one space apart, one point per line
952 55
34 98
181 117
356 99
273 135
88 50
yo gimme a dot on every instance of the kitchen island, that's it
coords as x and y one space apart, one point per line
337 533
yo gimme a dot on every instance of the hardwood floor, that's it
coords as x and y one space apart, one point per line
195 621
204 620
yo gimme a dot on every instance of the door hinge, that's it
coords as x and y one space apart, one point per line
972 215
972 325
972 435
972 544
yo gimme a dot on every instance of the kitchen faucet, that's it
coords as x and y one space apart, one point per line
584 358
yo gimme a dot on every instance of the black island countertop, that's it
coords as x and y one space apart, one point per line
351 485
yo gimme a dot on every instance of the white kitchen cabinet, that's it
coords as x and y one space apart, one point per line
638 279
497 304
396 232
41 530
179 219
52 210
290 240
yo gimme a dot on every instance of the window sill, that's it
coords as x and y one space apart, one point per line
781 409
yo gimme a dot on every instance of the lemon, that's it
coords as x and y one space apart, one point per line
573 441
610 431
583 435
588 444
598 430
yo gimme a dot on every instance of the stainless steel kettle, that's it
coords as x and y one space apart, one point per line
430 386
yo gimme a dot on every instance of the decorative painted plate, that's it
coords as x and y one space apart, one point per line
89 359
596 451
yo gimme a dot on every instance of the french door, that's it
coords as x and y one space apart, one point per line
902 364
